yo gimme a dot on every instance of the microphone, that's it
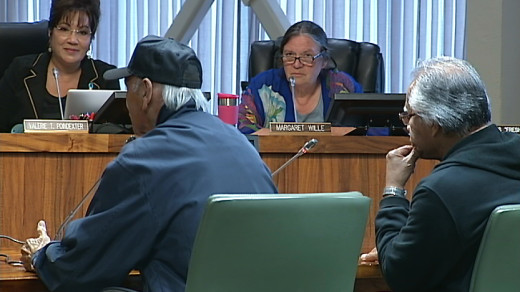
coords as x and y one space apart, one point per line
55 74
292 81
306 147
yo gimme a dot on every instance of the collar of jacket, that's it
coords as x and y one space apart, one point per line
38 74
166 113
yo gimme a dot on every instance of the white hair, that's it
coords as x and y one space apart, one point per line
449 92
175 97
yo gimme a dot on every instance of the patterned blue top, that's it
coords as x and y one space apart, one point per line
268 97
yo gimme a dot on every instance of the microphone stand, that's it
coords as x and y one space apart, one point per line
287 163
61 230
292 81
308 145
55 73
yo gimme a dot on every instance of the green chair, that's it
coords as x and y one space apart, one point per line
497 267
279 242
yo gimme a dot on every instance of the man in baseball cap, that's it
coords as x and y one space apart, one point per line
159 61
146 211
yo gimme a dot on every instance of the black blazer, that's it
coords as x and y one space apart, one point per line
23 87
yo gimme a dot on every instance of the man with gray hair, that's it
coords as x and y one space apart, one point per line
431 243
147 209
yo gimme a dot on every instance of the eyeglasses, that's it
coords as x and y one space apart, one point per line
307 59
82 33
405 117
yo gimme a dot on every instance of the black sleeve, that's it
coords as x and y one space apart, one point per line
417 243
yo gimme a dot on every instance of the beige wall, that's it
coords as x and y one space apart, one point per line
493 47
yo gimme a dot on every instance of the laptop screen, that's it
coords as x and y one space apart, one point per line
81 101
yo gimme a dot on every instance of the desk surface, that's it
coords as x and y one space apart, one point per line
105 143
61 143
17 279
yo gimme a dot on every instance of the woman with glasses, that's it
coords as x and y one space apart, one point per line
32 85
302 89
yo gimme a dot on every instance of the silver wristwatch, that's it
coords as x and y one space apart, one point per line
394 191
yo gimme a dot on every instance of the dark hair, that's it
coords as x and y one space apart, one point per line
311 29
61 9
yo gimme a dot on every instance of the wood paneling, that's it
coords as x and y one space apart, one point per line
337 164
44 176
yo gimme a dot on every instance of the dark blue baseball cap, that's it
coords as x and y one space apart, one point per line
162 60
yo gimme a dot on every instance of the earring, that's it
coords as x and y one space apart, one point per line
89 52
49 49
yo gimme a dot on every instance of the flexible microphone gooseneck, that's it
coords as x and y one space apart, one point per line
292 81
61 230
55 74
306 147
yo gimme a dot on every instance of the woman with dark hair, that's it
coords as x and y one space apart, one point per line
302 89
29 89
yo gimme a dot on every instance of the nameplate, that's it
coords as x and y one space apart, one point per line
55 126
510 128
291 127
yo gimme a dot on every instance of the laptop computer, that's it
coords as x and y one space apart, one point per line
81 101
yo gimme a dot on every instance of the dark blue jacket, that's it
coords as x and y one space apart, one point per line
146 211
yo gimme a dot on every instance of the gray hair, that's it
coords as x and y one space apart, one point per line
175 97
315 32
449 92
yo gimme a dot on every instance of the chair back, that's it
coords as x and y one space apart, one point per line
21 38
279 242
362 60
497 266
